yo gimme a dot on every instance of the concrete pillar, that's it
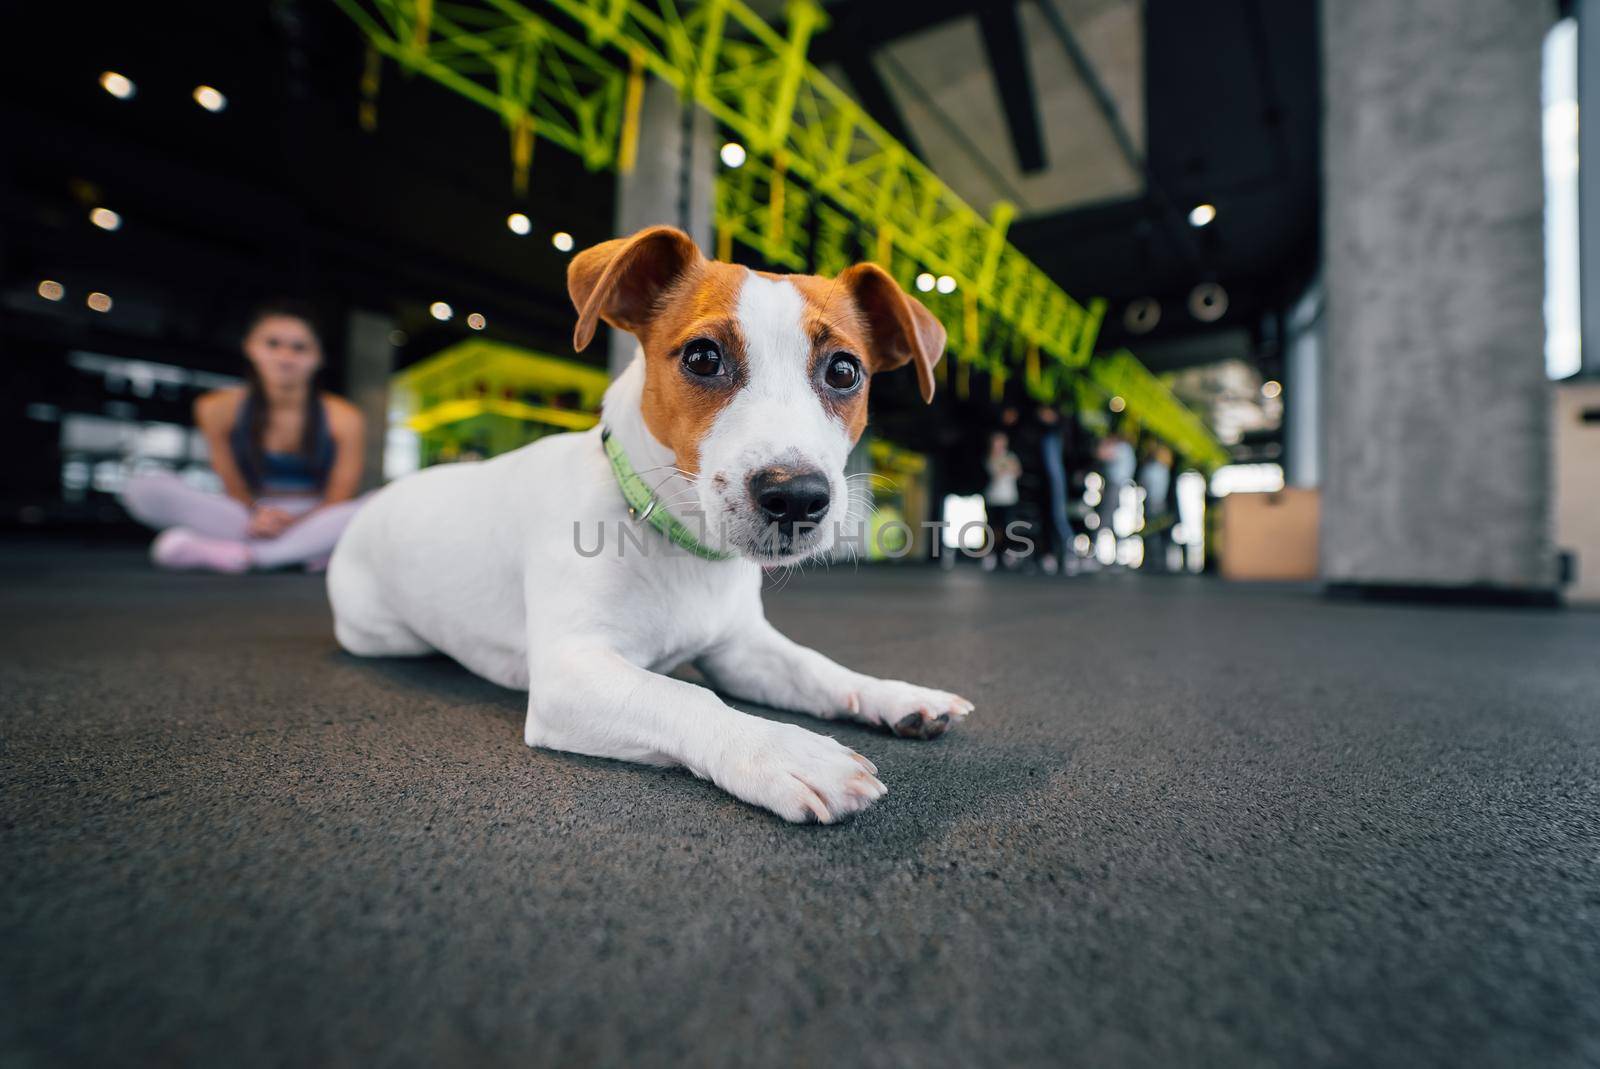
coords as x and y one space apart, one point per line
369 361
655 192
1437 462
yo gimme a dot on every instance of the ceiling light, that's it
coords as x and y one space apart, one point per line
1271 388
52 290
925 282
1141 315
733 154
1201 214
118 85
476 321
100 302
210 99
1208 302
946 284
441 311
561 240
519 224
105 218
1118 404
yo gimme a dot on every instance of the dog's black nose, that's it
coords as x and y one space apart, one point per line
787 497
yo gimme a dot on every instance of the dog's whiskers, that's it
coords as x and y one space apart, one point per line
871 475
680 498
656 490
642 472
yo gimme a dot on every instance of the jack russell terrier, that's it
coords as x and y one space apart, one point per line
721 450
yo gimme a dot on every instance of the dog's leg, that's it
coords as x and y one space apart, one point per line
761 665
588 699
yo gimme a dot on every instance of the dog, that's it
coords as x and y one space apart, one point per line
721 450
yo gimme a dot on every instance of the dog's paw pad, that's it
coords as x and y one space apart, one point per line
922 725
912 712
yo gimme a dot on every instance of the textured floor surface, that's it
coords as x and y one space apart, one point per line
1188 825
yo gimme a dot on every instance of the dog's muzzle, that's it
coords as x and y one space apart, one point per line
790 504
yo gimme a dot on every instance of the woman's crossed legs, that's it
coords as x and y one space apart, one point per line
203 530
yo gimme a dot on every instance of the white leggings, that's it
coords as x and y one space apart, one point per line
160 499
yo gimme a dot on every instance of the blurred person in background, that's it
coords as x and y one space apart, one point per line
288 454
1155 478
1000 497
1057 527
1118 463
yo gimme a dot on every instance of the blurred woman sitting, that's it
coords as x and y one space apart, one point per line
1000 501
288 455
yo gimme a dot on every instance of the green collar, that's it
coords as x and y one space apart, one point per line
642 504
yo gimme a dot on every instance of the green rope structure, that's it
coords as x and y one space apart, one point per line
822 179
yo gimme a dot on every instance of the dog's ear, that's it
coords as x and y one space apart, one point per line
618 281
902 329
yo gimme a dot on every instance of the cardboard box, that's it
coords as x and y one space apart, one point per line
1575 422
1270 536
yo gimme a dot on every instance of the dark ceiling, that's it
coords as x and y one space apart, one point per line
284 192
281 193
1231 119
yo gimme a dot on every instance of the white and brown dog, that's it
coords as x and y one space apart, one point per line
749 392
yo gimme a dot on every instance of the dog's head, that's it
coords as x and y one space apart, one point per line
756 382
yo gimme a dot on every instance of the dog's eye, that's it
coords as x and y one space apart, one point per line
844 371
703 357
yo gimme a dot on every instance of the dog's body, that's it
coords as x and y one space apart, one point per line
482 561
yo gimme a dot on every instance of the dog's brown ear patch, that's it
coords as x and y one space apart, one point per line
619 281
902 329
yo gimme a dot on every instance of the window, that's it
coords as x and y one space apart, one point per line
1563 334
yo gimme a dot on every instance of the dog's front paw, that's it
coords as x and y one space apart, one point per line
910 711
798 774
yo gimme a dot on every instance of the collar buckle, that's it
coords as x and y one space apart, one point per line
644 507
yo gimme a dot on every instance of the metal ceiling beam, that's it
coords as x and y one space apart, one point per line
908 88
1272 111
874 95
1013 82
868 25
821 173
1172 219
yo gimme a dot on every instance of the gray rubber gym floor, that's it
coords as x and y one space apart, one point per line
1189 824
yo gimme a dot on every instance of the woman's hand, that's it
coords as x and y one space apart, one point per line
269 522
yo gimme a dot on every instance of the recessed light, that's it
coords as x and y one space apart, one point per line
946 284
1141 315
561 240
1202 214
733 154
210 99
105 218
476 321
441 311
1208 302
100 302
1271 388
925 282
519 224
1118 404
118 85
51 290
